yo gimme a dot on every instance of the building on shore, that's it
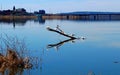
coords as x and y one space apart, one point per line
19 13
40 12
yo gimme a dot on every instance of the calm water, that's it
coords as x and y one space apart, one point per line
96 54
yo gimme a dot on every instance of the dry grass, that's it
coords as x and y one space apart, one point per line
11 56
70 17
11 17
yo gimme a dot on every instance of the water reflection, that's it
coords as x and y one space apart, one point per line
72 59
40 21
13 71
21 22
91 73
17 21
57 45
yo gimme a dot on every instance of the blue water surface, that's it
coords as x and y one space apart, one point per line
96 54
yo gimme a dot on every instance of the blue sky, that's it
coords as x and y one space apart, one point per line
58 6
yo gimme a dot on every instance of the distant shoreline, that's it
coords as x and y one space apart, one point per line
65 16
13 17
21 13
84 16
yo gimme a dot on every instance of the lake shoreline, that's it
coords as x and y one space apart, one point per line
83 16
15 17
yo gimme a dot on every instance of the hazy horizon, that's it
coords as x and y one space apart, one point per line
60 6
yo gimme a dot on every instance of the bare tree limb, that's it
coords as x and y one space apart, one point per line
61 33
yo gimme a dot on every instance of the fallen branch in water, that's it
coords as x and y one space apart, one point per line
59 31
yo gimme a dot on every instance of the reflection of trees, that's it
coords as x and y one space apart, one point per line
20 22
17 21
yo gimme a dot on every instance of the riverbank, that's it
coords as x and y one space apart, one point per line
11 17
